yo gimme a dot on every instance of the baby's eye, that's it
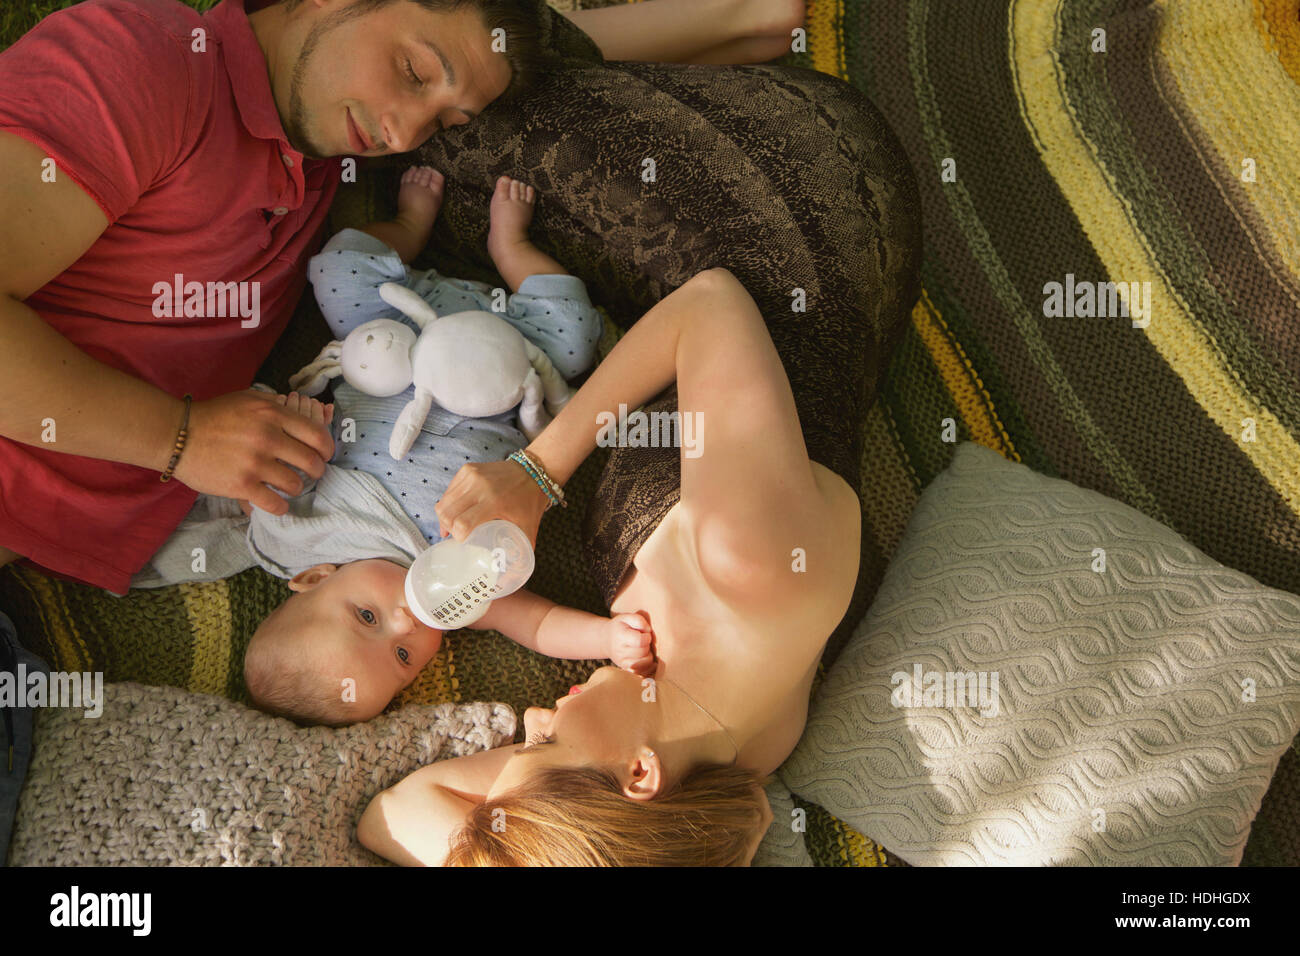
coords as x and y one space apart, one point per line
404 655
367 615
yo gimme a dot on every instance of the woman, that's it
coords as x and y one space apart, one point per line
742 582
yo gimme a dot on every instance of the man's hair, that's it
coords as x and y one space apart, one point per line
564 816
518 18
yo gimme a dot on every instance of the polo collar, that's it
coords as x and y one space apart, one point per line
246 65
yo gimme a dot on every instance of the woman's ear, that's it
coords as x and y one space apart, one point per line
643 777
306 580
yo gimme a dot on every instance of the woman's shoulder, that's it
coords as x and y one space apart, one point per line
789 565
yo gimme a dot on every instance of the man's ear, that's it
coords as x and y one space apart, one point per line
643 776
306 580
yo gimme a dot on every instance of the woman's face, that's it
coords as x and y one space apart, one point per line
606 723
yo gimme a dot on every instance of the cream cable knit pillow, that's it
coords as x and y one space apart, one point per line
1131 715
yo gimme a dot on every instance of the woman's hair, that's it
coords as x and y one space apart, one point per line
580 817
519 21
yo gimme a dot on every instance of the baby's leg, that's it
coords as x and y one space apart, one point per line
418 202
514 255
693 31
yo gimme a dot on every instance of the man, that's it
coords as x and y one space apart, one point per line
146 151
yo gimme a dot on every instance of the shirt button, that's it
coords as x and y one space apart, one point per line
288 160
280 210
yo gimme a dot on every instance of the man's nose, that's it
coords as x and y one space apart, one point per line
406 131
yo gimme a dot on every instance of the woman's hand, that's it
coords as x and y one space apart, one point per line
631 644
482 491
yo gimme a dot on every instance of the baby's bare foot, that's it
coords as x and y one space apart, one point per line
511 212
420 197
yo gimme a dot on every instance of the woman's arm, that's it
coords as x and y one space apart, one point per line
412 822
639 367
749 492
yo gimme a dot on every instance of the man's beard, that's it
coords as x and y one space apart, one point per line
297 133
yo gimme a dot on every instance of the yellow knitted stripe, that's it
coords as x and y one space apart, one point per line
1191 46
961 380
861 851
824 42
71 653
207 607
1278 21
1245 105
855 849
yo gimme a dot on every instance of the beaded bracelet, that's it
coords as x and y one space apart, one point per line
554 485
553 492
181 437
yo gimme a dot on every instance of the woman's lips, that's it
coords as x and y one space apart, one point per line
575 689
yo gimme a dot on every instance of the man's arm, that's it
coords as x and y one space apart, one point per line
99 411
238 443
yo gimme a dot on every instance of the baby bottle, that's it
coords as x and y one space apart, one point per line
452 583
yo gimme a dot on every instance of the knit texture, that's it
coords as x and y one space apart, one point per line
1159 125
1049 677
166 777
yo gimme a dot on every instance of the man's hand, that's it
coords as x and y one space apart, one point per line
241 445
631 644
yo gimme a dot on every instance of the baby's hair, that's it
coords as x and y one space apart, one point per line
277 687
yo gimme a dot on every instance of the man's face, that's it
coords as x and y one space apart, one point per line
384 82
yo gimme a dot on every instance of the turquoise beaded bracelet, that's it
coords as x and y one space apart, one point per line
544 481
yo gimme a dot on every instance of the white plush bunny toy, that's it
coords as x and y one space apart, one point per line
474 364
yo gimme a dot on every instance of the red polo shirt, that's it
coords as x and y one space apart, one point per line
165 118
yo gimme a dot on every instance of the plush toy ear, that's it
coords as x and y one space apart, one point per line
312 379
408 303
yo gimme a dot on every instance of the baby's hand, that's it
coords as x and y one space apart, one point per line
307 407
631 644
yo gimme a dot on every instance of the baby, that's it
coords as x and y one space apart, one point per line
345 643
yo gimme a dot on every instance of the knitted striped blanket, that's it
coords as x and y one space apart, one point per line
1094 141
1156 151
1061 145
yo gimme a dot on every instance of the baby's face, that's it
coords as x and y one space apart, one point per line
351 621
